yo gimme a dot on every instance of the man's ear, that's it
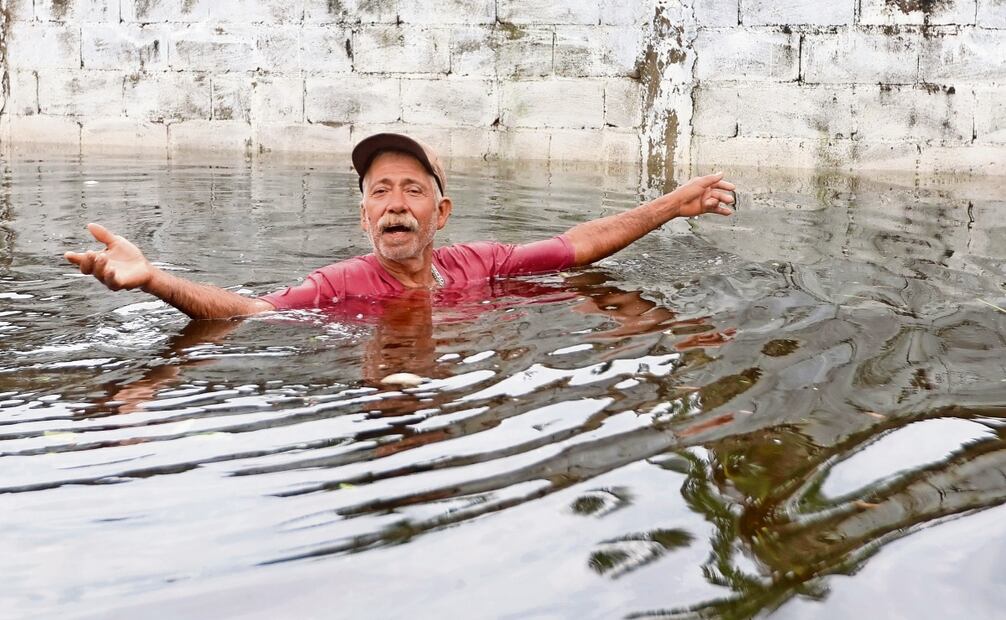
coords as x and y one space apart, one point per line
445 212
364 224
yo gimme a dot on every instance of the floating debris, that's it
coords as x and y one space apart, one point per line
404 379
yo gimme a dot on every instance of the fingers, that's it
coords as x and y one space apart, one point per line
101 233
85 261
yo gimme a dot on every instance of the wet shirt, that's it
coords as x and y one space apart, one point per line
460 265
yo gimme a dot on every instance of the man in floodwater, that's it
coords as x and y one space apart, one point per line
404 204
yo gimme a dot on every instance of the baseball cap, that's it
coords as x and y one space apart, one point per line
368 148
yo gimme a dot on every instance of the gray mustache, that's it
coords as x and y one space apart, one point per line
406 221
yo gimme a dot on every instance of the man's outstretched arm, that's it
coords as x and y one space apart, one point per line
121 265
601 238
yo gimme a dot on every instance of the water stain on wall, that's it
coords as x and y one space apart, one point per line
59 8
928 7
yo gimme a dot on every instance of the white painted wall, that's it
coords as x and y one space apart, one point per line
674 84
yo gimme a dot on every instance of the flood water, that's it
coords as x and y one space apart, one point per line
796 410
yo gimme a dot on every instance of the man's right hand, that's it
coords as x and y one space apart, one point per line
121 265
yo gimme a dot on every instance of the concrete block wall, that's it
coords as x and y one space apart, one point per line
855 84
674 85
477 78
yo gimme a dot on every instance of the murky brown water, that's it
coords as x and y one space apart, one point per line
797 410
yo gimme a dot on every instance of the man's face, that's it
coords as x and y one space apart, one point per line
399 211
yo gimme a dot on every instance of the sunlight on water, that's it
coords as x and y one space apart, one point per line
789 410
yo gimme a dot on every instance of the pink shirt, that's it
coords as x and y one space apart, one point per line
459 265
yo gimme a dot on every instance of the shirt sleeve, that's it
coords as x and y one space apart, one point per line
314 292
553 254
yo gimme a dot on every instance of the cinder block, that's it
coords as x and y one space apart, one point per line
230 98
326 49
439 12
472 143
117 134
891 113
991 14
747 55
473 52
523 52
860 57
40 129
80 92
584 12
43 46
220 136
797 12
971 56
717 13
894 12
437 137
629 13
253 11
279 48
351 11
588 51
575 144
569 104
976 160
621 146
129 47
168 97
158 11
990 115
623 103
769 110
524 144
23 97
299 138
449 102
401 49
77 11
352 99
773 153
203 47
716 110
277 99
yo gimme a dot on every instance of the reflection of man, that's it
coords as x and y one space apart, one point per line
403 185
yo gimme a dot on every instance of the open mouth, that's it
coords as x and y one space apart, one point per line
397 228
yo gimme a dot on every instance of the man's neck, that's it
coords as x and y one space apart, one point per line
415 272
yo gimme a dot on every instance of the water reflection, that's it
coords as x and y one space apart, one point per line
743 415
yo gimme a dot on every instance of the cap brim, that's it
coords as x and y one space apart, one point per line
364 152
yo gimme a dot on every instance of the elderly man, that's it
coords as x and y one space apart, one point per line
404 205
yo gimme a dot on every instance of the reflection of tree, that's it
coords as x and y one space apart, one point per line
760 492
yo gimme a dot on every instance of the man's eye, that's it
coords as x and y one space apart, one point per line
415 191
379 191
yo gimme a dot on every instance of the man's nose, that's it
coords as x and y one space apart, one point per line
397 202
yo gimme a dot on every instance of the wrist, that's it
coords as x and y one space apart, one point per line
154 282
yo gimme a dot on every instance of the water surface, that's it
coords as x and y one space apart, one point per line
799 409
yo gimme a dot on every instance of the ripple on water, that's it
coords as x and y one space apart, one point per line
741 413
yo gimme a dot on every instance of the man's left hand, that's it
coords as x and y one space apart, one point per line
708 194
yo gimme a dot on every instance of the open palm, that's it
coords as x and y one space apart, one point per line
121 265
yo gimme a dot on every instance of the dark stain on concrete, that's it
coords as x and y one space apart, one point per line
143 7
335 7
650 69
187 6
349 48
927 7
59 8
511 31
